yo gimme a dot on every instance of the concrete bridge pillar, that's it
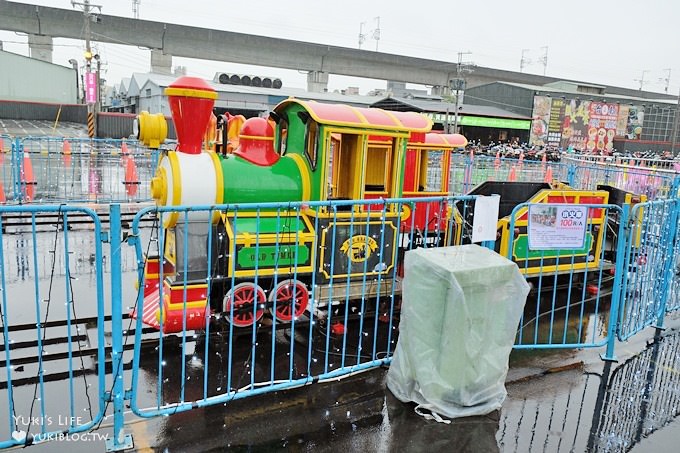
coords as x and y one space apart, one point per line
317 81
40 47
441 90
161 63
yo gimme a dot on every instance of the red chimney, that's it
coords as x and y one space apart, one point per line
191 102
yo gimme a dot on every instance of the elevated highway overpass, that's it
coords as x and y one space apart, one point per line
165 40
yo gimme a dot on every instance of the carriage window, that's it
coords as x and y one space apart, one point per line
312 142
347 164
377 169
282 136
333 165
431 171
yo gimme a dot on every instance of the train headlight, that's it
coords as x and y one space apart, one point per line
151 130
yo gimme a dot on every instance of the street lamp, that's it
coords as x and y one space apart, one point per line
74 63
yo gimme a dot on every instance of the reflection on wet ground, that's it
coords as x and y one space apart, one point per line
598 406
602 408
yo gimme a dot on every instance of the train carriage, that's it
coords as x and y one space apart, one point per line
265 260
245 263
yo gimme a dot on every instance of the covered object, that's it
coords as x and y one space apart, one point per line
460 311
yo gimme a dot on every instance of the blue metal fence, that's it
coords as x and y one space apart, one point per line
56 169
268 297
343 261
649 264
54 376
96 170
572 302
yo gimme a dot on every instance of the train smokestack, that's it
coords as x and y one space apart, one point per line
191 102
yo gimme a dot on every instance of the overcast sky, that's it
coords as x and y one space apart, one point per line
600 41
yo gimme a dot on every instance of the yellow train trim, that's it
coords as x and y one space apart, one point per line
323 247
304 175
176 189
191 93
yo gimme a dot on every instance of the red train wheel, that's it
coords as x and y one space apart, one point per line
285 292
243 297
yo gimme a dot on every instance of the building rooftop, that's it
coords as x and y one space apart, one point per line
419 105
546 89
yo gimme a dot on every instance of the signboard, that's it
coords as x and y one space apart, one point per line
575 124
90 87
557 226
485 220
583 125
499 123
555 123
602 126
635 118
539 125
482 121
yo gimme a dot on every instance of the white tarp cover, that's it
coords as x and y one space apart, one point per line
460 311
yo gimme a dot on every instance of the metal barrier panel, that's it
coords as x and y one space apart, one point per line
641 397
7 145
86 170
673 302
660 164
649 182
52 315
649 266
266 297
468 172
571 299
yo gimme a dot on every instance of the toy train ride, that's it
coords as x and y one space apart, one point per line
266 261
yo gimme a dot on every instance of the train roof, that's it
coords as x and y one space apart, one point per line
446 140
366 118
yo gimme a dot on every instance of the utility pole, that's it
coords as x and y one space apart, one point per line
87 17
362 36
642 79
376 32
544 58
458 84
674 130
666 80
523 61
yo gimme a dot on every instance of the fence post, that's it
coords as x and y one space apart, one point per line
668 270
120 441
617 295
571 174
675 187
17 163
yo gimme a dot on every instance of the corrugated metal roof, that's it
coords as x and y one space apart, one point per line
549 89
163 81
393 103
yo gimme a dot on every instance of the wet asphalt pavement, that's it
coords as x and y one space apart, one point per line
565 401
42 128
559 401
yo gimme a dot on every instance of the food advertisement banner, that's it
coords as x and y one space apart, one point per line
636 115
583 125
602 126
575 124
539 124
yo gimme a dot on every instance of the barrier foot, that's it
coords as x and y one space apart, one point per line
126 444
607 358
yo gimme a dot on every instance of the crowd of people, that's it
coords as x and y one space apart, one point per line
554 154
